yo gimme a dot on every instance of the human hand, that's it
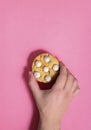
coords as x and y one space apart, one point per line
53 103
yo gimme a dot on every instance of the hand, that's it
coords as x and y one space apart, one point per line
53 103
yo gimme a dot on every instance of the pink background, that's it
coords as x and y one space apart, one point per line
60 27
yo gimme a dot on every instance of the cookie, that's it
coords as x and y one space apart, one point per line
45 67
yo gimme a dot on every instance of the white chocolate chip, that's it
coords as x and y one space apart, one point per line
36 74
45 69
55 67
47 59
47 78
38 63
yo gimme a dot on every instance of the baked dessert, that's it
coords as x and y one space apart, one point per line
45 67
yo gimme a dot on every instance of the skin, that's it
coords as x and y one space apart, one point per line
53 103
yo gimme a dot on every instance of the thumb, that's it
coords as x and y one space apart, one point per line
34 86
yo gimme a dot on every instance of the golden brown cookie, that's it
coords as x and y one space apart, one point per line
45 67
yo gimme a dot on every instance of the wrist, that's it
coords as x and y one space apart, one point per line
46 123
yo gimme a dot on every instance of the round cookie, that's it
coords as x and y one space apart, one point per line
45 67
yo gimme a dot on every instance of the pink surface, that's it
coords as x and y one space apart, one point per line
60 27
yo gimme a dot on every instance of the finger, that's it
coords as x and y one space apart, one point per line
71 73
75 85
77 90
34 85
69 82
61 80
